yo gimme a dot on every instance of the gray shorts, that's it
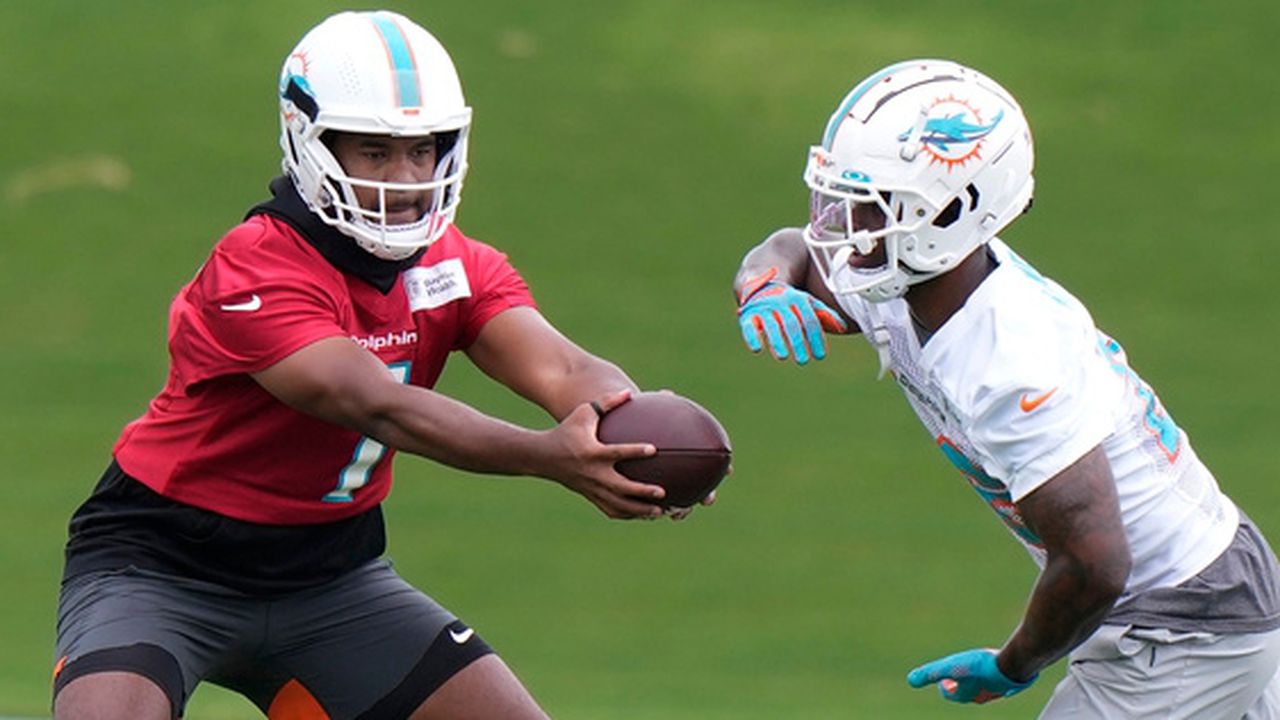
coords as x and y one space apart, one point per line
367 644
1129 672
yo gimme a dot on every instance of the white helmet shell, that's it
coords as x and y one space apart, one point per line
941 151
376 73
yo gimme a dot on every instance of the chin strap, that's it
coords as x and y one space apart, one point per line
878 336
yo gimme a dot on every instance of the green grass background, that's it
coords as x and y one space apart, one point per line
625 154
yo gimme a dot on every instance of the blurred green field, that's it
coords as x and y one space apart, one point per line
625 154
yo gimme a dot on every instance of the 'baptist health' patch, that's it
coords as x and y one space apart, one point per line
431 287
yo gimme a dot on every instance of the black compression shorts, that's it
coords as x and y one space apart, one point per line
367 645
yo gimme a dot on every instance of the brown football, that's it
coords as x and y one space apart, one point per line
693 449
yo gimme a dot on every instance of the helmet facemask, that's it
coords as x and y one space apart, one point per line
854 235
337 204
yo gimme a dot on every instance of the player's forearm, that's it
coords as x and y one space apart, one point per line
784 251
587 378
440 428
1068 604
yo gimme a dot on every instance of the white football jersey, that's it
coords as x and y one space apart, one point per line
1019 384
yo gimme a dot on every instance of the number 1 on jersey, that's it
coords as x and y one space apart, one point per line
367 454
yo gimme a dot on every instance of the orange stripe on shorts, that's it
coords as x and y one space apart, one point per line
295 702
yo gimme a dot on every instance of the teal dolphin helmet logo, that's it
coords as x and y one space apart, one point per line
953 132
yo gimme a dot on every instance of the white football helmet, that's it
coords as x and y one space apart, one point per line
377 73
939 151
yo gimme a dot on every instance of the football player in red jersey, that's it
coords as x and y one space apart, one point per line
236 536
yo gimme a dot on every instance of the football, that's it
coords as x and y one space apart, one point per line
693 449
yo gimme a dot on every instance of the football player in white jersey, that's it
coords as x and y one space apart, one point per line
1160 588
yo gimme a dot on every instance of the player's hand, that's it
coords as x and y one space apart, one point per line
968 677
790 320
583 464
680 513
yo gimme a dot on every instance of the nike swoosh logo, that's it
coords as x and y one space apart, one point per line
461 637
254 302
1029 403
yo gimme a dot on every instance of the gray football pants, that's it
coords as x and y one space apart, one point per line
1133 673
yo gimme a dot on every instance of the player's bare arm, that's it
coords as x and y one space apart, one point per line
1077 516
522 350
783 303
336 380
784 251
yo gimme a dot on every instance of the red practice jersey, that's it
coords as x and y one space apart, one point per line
215 439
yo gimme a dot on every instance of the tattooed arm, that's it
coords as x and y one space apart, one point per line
1077 515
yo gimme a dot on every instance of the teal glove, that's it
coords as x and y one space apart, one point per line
791 320
969 676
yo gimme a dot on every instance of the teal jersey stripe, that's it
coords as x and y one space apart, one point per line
853 97
403 66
